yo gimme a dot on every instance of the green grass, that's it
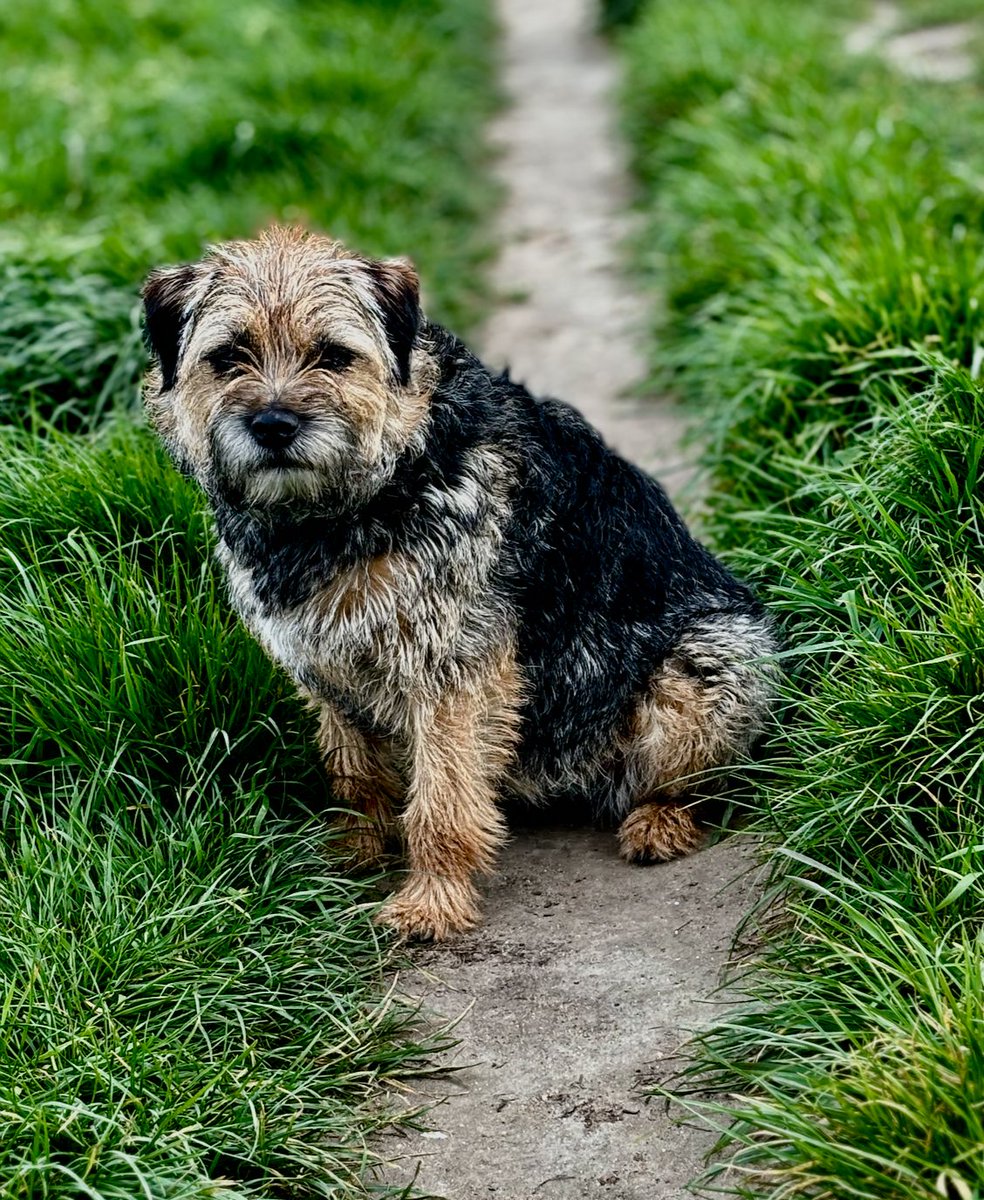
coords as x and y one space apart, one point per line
187 998
132 134
173 121
815 227
71 347
193 996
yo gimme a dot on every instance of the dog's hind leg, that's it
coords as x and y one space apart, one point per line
706 706
364 782
459 749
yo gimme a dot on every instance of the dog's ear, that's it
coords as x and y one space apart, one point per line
165 297
397 288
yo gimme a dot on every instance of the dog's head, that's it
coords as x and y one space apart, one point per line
287 368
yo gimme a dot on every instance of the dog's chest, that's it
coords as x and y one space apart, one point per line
379 630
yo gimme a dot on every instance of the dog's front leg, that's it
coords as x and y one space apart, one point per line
364 782
452 824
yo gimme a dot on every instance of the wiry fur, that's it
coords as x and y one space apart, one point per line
477 595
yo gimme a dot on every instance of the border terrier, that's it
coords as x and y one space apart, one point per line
478 597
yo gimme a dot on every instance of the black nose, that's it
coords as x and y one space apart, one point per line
275 428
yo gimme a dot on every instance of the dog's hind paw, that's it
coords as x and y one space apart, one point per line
659 832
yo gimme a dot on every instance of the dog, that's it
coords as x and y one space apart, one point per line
480 599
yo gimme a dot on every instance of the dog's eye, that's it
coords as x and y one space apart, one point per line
232 358
329 356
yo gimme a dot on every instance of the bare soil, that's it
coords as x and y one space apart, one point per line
570 1001
576 992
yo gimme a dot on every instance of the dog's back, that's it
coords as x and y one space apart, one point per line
622 617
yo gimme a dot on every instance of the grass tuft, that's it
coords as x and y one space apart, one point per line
193 991
186 999
71 347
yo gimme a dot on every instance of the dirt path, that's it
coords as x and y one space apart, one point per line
568 330
577 988
940 53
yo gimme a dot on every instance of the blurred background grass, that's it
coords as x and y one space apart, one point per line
192 996
132 133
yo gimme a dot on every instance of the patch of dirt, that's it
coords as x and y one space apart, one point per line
939 53
574 325
581 983
573 997
867 35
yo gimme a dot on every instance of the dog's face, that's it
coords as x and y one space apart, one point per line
287 368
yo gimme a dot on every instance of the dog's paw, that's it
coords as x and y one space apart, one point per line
429 909
659 832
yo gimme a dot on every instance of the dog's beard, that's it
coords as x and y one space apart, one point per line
322 469
279 485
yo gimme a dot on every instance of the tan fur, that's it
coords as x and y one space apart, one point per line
288 289
659 832
703 712
353 591
452 825
365 782
673 735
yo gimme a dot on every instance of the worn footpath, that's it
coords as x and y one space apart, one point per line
576 992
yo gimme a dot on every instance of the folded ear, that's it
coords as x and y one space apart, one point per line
165 295
397 287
